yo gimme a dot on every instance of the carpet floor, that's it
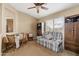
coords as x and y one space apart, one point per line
31 48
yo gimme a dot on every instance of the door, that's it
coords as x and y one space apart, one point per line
68 31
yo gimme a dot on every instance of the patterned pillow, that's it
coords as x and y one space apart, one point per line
48 36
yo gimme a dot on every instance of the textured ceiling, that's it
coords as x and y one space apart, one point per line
53 8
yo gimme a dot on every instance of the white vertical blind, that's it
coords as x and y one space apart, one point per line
59 22
56 23
49 25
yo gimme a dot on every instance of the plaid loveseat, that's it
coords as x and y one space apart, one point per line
51 40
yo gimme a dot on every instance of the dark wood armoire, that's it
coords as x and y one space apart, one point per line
72 33
40 28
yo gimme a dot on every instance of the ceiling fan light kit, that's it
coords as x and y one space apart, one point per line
38 6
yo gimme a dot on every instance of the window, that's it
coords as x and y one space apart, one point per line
49 25
52 25
59 22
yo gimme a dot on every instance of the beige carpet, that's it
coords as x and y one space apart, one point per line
31 48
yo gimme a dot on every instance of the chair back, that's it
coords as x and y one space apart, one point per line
11 38
5 40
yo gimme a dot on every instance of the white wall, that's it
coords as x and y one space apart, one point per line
22 22
8 12
26 23
0 26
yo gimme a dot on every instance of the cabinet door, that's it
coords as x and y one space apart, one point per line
69 31
68 35
76 32
76 37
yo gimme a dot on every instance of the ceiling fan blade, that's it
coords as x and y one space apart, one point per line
35 4
31 7
38 4
42 3
44 8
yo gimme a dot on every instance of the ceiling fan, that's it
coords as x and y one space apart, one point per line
38 6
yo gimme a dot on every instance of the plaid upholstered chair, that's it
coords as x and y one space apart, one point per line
8 41
23 38
30 36
11 39
4 44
